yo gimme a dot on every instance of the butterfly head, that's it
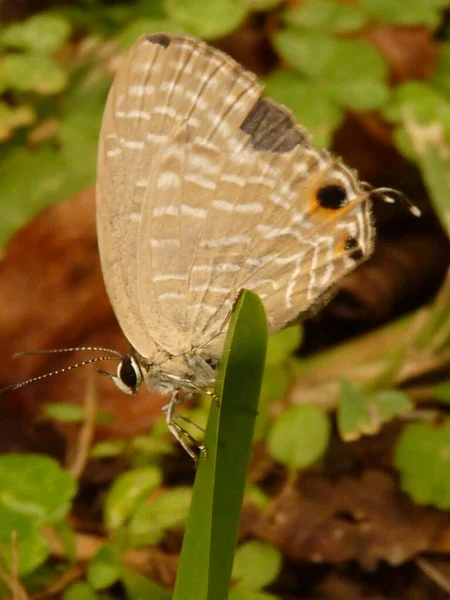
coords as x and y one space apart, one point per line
129 375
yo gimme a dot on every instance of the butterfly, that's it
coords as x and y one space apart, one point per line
204 188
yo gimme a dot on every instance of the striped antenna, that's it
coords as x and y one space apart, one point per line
114 355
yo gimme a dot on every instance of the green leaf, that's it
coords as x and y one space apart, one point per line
422 457
152 519
20 196
64 412
326 16
105 568
312 107
12 117
139 587
80 591
44 33
261 5
442 391
35 486
66 536
80 128
299 436
256 565
361 95
308 52
211 532
281 345
364 414
243 594
31 73
127 492
417 12
418 102
32 550
109 448
207 18
352 72
441 80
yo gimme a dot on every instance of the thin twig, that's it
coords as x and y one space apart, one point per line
60 584
434 574
12 579
87 430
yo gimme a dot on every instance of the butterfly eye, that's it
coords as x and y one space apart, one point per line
128 375
332 196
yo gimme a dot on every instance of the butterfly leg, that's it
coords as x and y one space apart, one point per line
178 431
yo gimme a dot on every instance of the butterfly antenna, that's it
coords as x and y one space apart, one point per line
115 353
390 196
15 386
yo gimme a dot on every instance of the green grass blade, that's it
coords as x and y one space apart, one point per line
212 527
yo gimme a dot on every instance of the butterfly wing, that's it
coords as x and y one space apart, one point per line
205 188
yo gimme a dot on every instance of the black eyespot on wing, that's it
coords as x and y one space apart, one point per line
159 38
350 243
332 196
127 373
357 255
272 128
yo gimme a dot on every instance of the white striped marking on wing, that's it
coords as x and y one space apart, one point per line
249 207
141 183
311 293
278 200
172 86
273 232
262 181
262 260
168 179
145 67
141 90
220 267
206 143
134 114
166 111
206 307
291 285
193 121
166 210
134 216
204 287
174 210
193 211
225 241
169 277
171 296
230 178
113 153
161 242
199 180
199 102
132 144
159 138
285 260
271 282
349 226
203 163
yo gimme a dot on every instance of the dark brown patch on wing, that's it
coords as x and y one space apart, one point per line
272 128
159 38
